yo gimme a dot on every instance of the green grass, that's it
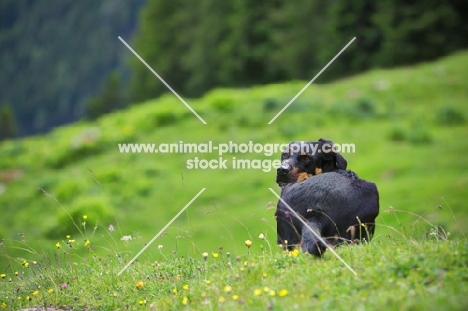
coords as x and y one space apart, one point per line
392 274
408 125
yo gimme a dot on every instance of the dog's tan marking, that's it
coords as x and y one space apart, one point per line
303 176
318 171
303 153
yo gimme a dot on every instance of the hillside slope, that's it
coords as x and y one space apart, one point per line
408 126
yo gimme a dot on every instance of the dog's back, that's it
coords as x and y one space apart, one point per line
335 204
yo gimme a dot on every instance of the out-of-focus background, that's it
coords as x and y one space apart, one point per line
70 92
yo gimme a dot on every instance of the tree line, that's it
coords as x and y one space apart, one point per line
64 62
199 45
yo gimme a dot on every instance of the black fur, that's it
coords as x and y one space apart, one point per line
335 204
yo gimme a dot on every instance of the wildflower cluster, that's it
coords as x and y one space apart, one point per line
209 290
70 242
293 253
267 291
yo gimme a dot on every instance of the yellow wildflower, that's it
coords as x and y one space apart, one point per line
293 253
257 292
139 285
283 292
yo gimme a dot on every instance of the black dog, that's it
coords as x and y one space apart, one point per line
338 205
305 159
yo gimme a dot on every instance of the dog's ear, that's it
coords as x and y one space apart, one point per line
331 160
341 162
326 149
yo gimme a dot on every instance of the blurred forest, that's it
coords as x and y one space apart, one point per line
63 62
54 55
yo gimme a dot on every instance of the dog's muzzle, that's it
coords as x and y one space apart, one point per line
282 172
284 168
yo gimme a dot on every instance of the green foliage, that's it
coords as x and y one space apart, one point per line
420 135
365 108
397 133
353 109
271 104
417 134
68 190
450 116
222 104
84 144
96 210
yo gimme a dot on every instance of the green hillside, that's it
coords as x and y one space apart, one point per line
408 126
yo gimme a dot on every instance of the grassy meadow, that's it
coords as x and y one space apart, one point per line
75 210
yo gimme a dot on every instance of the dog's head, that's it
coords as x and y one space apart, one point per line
303 159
